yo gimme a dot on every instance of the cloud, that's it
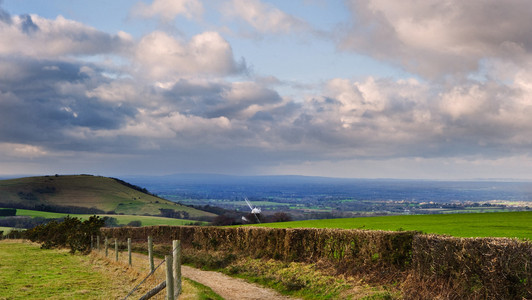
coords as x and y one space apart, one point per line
163 57
265 18
167 10
434 38
34 36
175 103
41 99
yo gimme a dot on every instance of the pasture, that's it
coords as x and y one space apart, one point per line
498 224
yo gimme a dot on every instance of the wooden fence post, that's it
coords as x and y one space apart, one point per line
169 278
106 247
116 250
176 246
98 243
92 242
129 251
150 253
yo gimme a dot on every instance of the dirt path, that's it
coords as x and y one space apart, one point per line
230 288
226 286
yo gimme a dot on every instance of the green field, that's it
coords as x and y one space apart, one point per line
88 191
505 224
28 272
122 219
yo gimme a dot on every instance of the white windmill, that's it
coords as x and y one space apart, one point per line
254 210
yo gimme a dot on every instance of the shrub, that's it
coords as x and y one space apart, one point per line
71 232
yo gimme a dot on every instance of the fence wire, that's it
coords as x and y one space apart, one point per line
147 276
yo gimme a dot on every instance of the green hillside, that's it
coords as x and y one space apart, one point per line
103 193
504 224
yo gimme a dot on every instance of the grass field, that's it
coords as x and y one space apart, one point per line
28 272
122 219
505 224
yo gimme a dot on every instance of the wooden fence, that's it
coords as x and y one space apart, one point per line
173 265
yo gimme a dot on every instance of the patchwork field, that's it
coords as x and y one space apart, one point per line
505 224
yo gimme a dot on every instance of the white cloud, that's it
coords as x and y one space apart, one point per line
265 18
167 10
22 150
163 57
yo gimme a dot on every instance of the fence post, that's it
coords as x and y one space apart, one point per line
129 251
150 253
92 242
116 250
98 243
106 247
176 246
169 278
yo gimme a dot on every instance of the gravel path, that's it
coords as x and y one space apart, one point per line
230 288
226 286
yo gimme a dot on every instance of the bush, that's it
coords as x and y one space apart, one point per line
71 232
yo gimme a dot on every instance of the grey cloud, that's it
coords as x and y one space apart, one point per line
27 24
34 109
219 100
34 36
5 17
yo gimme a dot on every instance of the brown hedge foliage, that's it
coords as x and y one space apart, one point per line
481 268
380 253
428 266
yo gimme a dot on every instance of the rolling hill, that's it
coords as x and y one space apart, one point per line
87 191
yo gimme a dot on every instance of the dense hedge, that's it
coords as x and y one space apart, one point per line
428 266
352 251
482 268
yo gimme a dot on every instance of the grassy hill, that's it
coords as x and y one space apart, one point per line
504 224
103 193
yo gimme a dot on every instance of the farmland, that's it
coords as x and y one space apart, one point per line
505 224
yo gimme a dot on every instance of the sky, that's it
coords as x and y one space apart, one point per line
357 88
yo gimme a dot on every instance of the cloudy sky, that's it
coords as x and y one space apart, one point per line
356 88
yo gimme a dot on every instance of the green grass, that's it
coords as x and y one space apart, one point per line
86 191
28 272
122 219
203 292
502 224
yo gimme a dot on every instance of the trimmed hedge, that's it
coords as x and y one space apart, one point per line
429 266
353 251
482 268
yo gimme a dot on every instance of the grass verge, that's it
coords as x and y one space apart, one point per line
307 281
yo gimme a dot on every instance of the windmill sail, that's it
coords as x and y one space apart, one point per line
254 210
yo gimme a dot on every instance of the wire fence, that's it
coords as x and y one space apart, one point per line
172 284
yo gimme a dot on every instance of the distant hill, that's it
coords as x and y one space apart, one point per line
86 191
